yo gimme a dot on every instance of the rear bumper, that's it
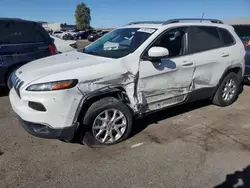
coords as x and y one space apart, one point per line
44 131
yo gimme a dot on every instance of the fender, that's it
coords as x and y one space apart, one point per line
94 95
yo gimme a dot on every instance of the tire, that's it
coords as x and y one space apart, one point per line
219 97
79 37
99 108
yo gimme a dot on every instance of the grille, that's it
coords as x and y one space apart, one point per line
16 83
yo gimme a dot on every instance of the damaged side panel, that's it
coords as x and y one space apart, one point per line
164 85
126 80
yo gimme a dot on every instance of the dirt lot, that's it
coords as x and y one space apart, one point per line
190 146
195 145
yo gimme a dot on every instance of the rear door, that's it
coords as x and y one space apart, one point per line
211 56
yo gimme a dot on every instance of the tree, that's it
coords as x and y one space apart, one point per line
82 16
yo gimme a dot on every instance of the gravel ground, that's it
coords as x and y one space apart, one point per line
191 146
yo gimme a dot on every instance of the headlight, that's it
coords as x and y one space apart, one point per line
52 86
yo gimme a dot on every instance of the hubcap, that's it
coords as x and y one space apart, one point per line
109 126
229 90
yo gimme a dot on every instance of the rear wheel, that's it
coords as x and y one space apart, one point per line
227 91
79 37
107 122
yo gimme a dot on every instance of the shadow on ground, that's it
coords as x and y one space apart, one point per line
154 118
239 179
4 91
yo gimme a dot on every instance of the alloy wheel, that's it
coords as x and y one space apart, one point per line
109 126
229 90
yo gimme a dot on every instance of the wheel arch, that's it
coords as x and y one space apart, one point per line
237 70
117 92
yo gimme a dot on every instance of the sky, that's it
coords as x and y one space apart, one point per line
114 13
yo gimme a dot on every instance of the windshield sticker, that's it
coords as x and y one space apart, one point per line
146 30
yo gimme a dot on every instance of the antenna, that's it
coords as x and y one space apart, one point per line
202 16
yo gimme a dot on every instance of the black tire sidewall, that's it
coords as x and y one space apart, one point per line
221 87
87 134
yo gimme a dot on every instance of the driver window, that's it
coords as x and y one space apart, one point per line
174 40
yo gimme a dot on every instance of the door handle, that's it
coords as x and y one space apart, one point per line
187 63
224 55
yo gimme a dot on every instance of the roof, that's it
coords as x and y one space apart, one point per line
16 20
178 21
237 21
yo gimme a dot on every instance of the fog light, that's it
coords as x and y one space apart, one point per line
37 106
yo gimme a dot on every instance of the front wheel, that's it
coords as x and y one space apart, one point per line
227 91
106 122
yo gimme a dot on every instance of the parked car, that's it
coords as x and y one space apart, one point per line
99 91
21 41
243 31
247 69
67 36
81 35
59 34
64 46
93 37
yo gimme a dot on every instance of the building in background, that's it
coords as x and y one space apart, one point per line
237 21
241 27
58 26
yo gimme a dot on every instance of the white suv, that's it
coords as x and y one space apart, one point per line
134 70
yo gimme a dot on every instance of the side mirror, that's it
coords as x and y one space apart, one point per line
158 52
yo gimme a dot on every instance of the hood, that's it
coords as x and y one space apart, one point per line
56 64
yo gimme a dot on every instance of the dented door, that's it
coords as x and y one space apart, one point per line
165 82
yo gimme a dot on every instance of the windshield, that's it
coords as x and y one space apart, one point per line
119 42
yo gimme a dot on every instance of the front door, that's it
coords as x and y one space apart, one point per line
165 82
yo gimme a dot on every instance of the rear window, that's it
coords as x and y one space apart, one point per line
19 32
204 38
226 37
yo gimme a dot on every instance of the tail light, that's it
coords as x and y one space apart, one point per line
74 45
52 49
245 46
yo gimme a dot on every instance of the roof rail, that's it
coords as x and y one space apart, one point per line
146 22
177 20
192 19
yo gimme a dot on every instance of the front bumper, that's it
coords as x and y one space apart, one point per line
61 109
44 131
